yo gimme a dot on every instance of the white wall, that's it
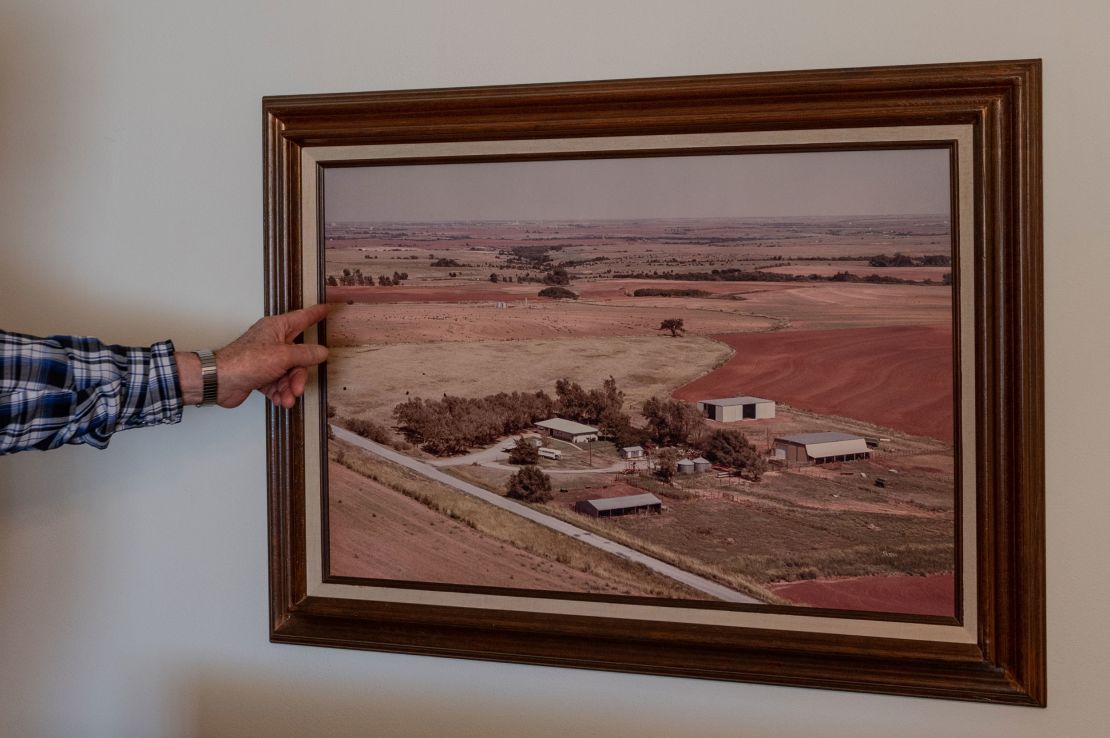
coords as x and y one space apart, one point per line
134 580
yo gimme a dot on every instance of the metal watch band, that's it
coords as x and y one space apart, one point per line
208 378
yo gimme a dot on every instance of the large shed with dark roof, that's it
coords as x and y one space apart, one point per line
568 430
820 448
608 507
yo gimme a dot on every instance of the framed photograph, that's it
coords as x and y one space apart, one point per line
733 377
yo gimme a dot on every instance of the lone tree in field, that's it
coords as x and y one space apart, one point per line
666 464
732 448
674 325
530 485
494 278
524 453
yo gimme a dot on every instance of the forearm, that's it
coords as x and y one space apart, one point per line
66 389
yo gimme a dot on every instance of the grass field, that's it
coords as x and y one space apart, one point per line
369 382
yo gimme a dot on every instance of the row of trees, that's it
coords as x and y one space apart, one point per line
558 293
722 446
741 275
904 260
356 278
452 425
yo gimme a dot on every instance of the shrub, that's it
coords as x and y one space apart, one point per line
530 485
657 292
367 429
524 453
559 293
731 448
558 275
666 464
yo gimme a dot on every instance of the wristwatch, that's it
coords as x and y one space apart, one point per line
208 380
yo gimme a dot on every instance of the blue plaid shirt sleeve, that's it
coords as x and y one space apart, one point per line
70 389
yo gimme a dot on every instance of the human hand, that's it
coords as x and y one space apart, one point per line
264 358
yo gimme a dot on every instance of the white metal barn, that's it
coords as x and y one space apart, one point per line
730 409
632 452
568 430
820 448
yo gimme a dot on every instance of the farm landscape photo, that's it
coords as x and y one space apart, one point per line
719 377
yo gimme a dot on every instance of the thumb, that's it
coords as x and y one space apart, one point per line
303 354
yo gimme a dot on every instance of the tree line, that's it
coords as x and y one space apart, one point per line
355 278
453 425
904 260
748 275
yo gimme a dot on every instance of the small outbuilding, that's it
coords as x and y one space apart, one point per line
568 430
610 507
702 465
730 409
686 467
820 448
632 452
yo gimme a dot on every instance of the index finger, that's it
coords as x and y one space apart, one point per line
297 320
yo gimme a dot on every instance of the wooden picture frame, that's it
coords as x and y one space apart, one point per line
992 651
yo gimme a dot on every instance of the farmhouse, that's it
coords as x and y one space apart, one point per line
568 430
609 507
729 409
820 448
632 452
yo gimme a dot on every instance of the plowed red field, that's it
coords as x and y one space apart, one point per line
931 595
899 377
487 292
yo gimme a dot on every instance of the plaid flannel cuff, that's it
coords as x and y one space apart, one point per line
153 392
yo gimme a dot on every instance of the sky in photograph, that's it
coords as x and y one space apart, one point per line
897 182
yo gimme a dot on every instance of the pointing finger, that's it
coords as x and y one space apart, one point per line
297 320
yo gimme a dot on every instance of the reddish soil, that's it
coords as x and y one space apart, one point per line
930 595
425 294
822 306
379 533
487 292
899 377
